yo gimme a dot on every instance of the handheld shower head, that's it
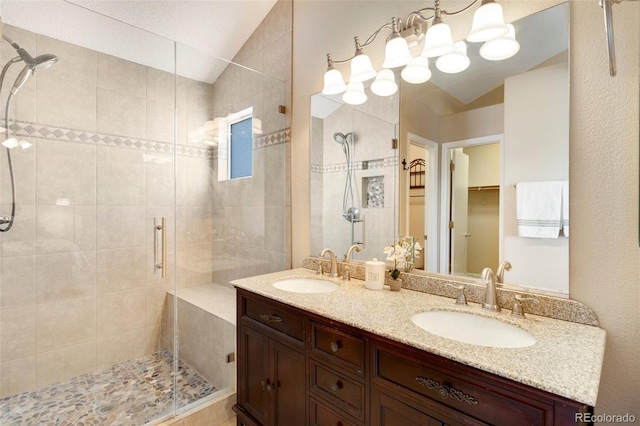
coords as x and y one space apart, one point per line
31 65
339 137
39 62
21 79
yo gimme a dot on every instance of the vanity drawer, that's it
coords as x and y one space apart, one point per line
273 315
480 400
323 416
337 389
339 347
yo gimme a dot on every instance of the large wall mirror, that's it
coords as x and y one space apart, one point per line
466 141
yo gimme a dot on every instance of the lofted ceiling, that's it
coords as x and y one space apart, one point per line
209 33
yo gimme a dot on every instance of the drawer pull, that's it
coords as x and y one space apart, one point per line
271 318
445 391
339 385
335 345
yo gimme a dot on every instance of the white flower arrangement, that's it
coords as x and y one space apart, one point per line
403 254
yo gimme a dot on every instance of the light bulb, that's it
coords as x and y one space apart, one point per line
417 71
438 40
455 62
355 93
385 83
396 53
501 48
361 68
488 22
333 82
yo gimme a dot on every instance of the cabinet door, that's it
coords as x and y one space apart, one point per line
254 381
290 385
387 411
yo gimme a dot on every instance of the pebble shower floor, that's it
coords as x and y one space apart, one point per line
131 393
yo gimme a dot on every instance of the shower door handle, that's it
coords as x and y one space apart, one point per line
160 226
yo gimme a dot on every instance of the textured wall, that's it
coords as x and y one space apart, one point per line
604 267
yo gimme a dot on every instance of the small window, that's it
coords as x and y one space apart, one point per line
240 149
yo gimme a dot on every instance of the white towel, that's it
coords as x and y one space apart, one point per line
565 208
539 209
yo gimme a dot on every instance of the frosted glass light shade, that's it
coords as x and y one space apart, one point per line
501 48
417 71
24 144
438 41
396 53
333 82
488 23
355 93
385 83
455 62
10 143
361 68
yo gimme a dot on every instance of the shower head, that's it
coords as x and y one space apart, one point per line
32 65
39 62
341 138
21 79
36 64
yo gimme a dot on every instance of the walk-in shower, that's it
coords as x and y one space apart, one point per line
350 211
88 333
31 66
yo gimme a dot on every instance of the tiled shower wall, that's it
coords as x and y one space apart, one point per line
252 218
78 289
375 178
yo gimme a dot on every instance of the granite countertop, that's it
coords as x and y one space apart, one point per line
565 360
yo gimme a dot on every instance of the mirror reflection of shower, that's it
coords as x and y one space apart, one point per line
32 65
349 210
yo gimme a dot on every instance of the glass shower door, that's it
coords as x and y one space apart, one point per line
81 308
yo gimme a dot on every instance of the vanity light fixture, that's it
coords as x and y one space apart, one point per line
426 25
502 47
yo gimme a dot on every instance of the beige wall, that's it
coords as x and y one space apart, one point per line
535 152
604 254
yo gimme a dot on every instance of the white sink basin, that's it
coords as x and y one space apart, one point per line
306 285
473 329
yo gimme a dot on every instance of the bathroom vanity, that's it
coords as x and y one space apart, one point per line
353 357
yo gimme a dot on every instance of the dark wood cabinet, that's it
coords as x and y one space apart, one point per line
387 411
297 368
271 365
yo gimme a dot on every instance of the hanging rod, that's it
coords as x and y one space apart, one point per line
607 8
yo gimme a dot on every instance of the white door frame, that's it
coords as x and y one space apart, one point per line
431 200
444 193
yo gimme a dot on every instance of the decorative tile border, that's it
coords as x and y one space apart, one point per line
358 165
274 138
64 134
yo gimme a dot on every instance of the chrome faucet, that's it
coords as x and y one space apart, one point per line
334 262
355 247
490 295
504 266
